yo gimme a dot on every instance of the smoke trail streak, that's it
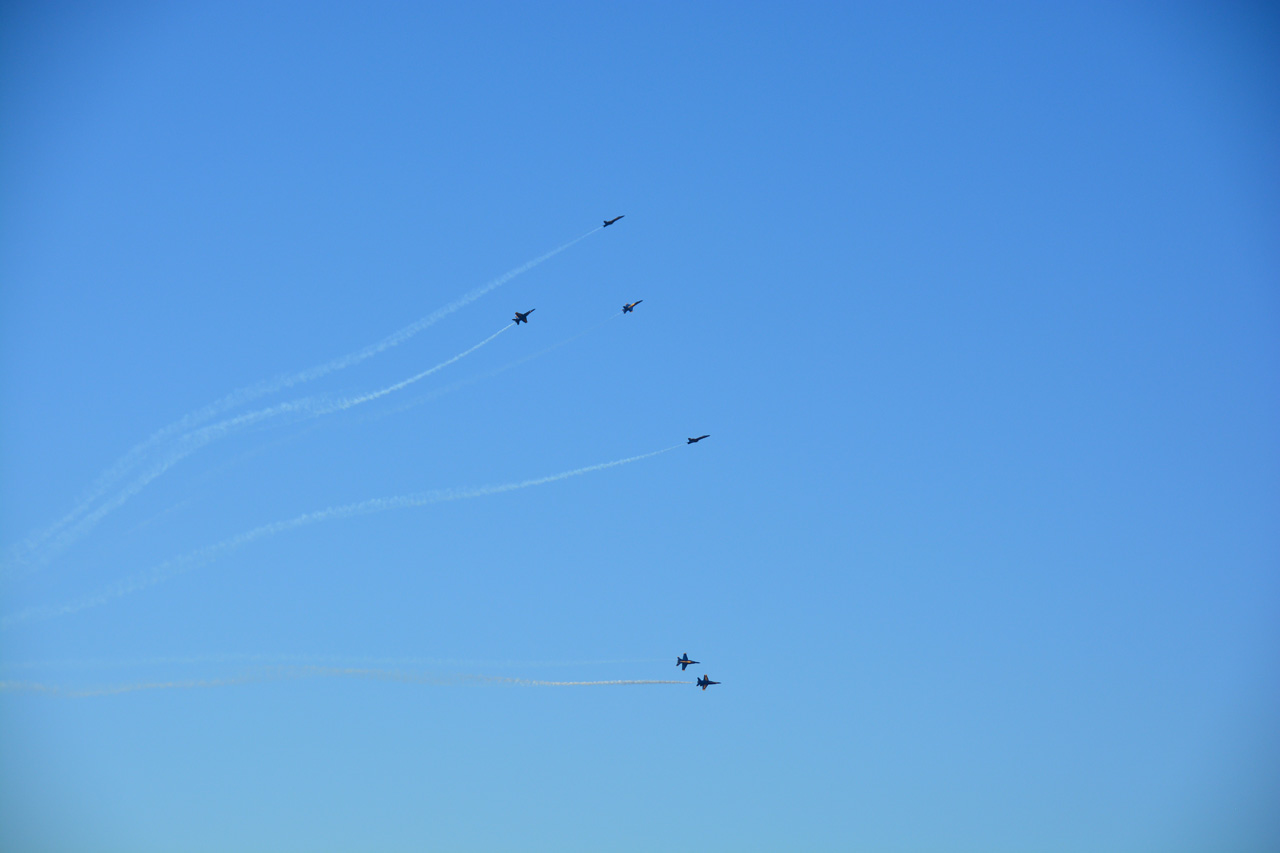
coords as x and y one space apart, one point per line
312 408
31 552
404 383
193 441
480 377
196 559
285 673
431 319
326 660
545 350
532 683
115 690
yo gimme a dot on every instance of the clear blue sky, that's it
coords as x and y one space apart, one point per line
978 302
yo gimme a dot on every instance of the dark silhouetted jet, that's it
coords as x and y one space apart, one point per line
609 222
629 307
523 318
699 438
704 682
683 662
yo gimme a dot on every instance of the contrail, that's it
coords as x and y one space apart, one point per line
115 690
532 683
196 439
31 550
480 377
284 673
412 329
196 559
546 350
404 383
313 659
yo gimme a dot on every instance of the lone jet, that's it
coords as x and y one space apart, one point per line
683 662
609 222
704 682
523 318
628 308
699 438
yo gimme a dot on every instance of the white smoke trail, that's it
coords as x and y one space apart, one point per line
196 559
343 405
284 673
472 380
32 552
117 689
431 319
546 350
294 659
533 683
196 439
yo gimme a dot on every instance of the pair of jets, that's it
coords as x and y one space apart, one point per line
683 662
524 318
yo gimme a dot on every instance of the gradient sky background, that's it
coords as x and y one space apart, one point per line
978 302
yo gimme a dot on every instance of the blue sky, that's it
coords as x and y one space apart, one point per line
977 303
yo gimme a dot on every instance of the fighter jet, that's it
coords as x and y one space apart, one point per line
704 682
699 438
683 662
629 307
523 318
609 222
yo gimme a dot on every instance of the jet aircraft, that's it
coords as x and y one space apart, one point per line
523 318
704 682
609 222
629 307
699 438
683 662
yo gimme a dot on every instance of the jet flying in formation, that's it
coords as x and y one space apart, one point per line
699 438
705 681
523 318
683 662
630 306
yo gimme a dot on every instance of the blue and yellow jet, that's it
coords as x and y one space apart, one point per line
683 661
